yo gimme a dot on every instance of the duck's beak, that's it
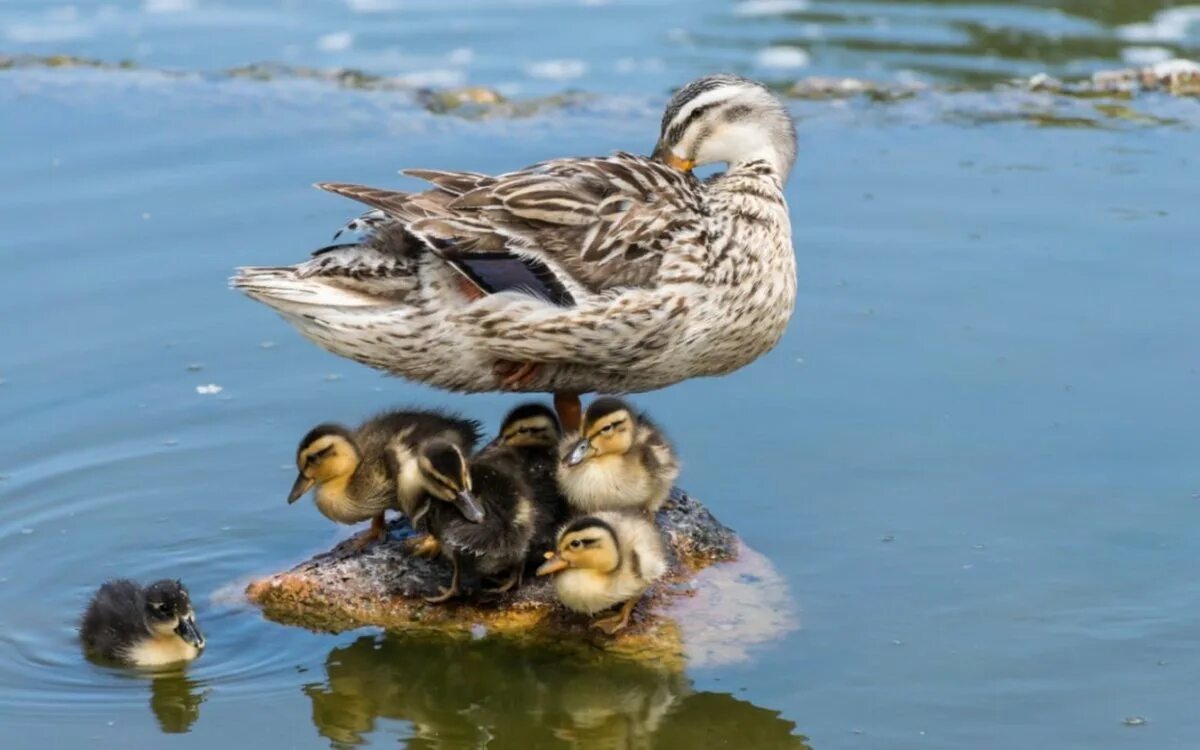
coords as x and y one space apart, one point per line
303 484
553 564
578 453
187 630
668 157
468 506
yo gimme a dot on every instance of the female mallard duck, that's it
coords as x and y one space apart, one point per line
531 431
619 461
609 274
480 513
603 560
361 473
147 627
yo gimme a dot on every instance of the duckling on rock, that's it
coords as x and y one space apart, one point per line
532 432
148 626
361 473
480 513
619 461
605 559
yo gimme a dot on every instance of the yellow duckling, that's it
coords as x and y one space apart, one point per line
619 461
146 627
603 560
359 474
480 513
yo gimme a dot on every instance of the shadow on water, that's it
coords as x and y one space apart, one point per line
457 694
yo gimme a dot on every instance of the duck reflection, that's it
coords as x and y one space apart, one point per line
175 701
484 694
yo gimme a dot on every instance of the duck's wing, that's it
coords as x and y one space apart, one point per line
589 223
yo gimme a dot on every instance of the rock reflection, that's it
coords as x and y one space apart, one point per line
495 695
175 701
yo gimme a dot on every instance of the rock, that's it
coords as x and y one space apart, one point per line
718 600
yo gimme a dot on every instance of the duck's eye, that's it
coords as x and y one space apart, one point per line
576 544
607 428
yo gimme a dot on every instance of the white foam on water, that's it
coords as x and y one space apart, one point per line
1170 25
556 70
759 8
781 57
337 41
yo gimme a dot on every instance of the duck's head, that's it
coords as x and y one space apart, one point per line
447 478
326 454
726 119
607 430
586 543
169 612
531 425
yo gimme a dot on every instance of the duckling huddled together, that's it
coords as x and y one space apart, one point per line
579 506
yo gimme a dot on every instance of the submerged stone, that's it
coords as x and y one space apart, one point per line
718 600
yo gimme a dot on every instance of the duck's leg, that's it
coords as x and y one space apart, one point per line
516 376
451 592
570 411
377 533
611 625
513 580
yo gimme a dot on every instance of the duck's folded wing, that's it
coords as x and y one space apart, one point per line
589 224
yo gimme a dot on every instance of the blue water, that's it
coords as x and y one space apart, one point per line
973 458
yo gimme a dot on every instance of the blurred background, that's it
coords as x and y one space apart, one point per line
973 459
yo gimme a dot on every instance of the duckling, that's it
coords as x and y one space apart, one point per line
148 626
479 512
619 461
605 559
361 473
532 432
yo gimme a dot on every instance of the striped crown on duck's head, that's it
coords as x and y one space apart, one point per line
726 119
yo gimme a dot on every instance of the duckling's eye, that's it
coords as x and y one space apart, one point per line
607 429
576 544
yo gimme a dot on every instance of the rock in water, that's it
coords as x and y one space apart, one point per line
719 598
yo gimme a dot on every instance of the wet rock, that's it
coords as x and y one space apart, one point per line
718 600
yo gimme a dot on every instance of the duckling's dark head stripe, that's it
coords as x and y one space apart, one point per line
588 522
323 430
602 407
526 411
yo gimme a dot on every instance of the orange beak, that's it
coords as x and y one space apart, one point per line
683 165
553 564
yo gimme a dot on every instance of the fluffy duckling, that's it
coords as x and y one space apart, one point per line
532 432
619 461
360 473
479 513
603 560
148 626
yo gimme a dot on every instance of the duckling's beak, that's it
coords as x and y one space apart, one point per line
553 564
187 630
468 506
668 157
303 484
578 453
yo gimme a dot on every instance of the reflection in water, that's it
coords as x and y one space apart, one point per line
475 694
175 701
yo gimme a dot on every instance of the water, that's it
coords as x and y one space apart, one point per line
973 457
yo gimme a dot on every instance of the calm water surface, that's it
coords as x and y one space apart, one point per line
973 458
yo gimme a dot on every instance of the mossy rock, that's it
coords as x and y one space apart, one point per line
718 600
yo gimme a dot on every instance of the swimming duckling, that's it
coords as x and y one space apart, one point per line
605 559
361 473
147 626
532 432
619 461
481 513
